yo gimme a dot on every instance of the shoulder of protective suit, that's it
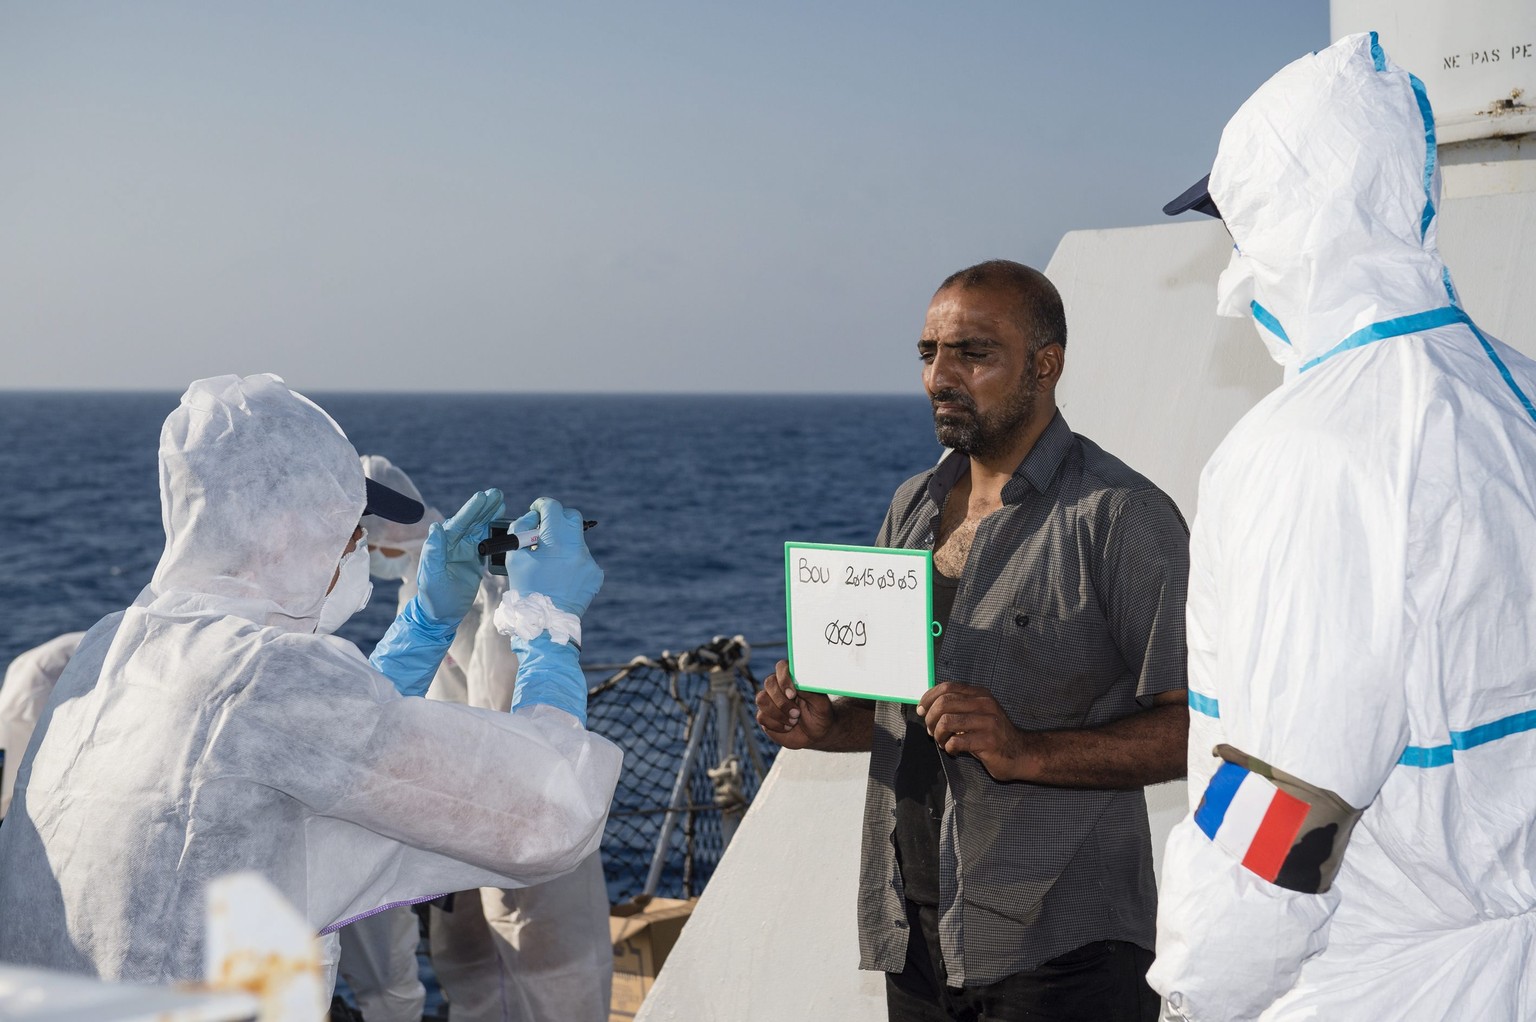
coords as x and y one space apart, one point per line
1289 466
1308 420
287 659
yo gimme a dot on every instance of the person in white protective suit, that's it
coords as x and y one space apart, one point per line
1362 656
29 680
532 954
215 725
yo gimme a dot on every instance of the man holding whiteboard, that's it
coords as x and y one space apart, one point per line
1007 863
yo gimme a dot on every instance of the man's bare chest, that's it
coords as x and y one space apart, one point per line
957 531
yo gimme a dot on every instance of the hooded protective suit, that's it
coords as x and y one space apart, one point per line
535 954
1362 588
208 728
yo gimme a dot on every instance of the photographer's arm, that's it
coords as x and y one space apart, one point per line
412 650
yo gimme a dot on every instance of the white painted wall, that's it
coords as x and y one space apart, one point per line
1154 376
773 936
1157 378
1489 242
1470 54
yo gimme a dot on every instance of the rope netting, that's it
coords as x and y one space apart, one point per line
651 708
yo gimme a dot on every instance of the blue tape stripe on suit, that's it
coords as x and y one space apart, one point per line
1422 98
1503 369
1204 704
1418 322
1268 321
1461 741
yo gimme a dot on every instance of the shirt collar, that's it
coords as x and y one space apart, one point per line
1037 469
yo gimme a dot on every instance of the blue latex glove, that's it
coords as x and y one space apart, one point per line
412 650
450 572
447 583
549 672
561 567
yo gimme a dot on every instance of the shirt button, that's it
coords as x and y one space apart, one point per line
901 924
1022 620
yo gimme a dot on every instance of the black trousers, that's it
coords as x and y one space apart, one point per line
1105 981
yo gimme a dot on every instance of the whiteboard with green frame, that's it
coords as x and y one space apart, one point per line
860 620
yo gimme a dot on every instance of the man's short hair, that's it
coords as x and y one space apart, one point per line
1037 304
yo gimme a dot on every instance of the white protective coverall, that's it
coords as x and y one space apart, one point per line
1362 586
29 681
532 954
209 729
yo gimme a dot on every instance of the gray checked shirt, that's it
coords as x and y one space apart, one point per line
1071 610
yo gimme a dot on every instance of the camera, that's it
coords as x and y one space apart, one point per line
502 541
496 546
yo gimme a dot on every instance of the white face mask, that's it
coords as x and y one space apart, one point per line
350 594
1235 298
388 568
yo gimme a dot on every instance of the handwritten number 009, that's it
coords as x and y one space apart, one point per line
852 633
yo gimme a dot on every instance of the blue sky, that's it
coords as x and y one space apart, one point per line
666 196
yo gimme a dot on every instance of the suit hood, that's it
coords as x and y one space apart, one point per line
260 491
1328 182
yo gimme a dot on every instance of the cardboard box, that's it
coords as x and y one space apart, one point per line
643 931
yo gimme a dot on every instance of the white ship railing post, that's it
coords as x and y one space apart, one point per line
679 799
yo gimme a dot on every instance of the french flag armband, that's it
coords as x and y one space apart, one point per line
1279 827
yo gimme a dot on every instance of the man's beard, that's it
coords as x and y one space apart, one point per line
978 435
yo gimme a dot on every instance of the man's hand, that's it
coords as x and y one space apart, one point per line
793 719
968 719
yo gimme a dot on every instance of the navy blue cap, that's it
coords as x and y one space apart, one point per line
1196 197
392 505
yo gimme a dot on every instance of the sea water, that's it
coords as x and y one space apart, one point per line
695 496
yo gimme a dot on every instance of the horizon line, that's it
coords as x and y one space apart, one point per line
149 392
